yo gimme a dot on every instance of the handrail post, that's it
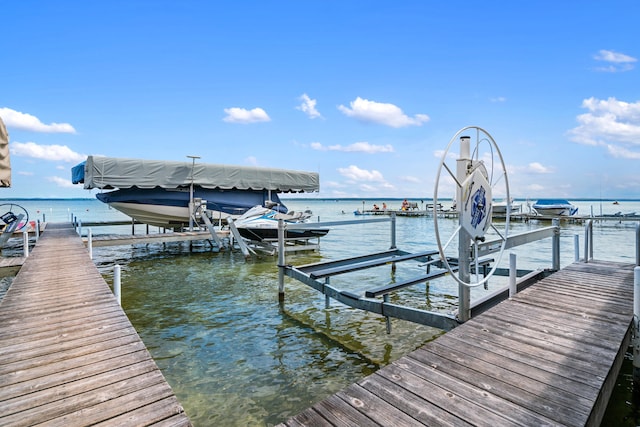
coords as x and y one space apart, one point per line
117 288
588 240
90 242
555 252
25 240
513 272
638 243
393 230
281 260
636 326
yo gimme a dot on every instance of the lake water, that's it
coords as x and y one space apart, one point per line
235 356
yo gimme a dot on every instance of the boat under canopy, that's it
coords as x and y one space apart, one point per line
158 192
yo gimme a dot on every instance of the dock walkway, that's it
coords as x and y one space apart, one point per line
68 354
548 356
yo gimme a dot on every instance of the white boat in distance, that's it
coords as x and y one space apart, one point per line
500 207
159 192
555 207
260 223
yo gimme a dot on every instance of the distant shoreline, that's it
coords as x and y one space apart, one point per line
284 197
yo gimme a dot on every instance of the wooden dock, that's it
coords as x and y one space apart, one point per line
548 356
68 354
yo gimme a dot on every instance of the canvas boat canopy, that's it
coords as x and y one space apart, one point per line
5 163
110 172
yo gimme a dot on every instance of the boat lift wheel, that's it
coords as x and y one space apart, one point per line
10 213
476 176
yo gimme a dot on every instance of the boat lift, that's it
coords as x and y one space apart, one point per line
473 264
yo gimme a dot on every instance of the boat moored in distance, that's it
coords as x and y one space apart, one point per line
500 208
555 207
159 193
261 223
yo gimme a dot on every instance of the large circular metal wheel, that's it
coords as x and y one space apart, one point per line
10 212
475 177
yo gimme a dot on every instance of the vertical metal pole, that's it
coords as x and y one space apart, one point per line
385 298
25 241
117 291
576 247
638 243
464 240
636 326
393 230
90 243
513 272
327 298
80 227
555 251
590 239
281 260
587 241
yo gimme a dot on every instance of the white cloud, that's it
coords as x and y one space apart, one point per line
377 112
617 61
360 147
308 107
243 116
536 167
621 152
24 121
411 179
608 122
62 182
498 99
252 160
356 174
46 152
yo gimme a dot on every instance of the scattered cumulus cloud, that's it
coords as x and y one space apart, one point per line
615 62
411 179
382 113
61 182
24 121
498 99
244 116
251 160
357 147
308 107
46 152
536 167
354 173
609 123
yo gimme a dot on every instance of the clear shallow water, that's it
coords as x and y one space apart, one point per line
235 356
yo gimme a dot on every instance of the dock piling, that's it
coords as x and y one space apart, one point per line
513 271
117 289
636 327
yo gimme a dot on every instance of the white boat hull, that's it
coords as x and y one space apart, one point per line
162 215
561 211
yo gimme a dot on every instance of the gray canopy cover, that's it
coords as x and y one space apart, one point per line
110 172
5 163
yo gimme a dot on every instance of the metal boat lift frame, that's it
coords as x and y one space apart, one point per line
318 275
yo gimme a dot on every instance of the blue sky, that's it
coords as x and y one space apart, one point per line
367 93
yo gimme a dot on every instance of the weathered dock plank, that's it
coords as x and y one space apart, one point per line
548 356
68 354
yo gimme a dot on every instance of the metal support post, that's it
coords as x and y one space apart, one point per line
556 245
636 327
385 298
513 287
588 241
393 230
576 247
90 243
117 291
281 260
327 298
25 240
638 243
464 240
